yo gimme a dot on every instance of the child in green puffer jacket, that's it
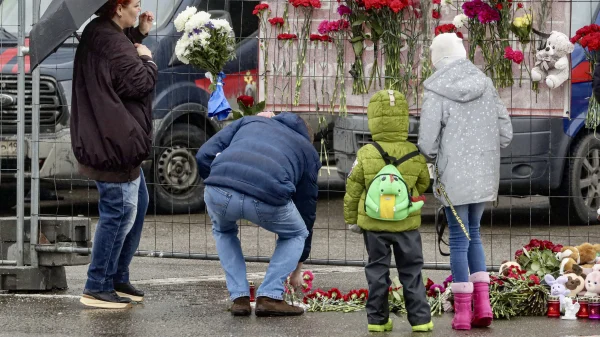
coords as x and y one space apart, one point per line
389 123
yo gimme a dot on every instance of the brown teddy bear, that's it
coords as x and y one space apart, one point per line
577 255
576 282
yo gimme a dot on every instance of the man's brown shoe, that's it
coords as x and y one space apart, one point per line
241 306
266 306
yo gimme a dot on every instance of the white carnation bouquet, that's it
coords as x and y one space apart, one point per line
206 43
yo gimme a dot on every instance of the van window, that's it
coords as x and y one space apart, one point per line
583 13
9 13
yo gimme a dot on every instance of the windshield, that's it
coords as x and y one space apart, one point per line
9 13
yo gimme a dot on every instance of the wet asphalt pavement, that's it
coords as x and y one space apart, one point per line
189 297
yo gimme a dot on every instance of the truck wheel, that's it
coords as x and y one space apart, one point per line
177 186
582 185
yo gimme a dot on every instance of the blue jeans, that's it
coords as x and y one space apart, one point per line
225 207
122 208
466 256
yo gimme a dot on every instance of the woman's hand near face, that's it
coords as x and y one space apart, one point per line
146 21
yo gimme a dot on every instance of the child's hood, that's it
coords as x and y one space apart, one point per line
388 116
459 81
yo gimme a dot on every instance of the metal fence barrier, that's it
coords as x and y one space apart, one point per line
549 188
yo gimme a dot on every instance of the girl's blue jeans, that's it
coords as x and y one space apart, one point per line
466 257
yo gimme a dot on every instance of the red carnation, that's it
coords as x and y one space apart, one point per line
397 5
335 294
276 21
436 14
534 280
429 284
447 28
259 8
557 249
518 253
248 101
535 243
437 2
499 6
520 5
459 34
287 37
363 294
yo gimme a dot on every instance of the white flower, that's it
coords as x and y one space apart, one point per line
221 23
182 49
183 17
460 20
198 20
202 37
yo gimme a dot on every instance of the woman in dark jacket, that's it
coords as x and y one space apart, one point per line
111 128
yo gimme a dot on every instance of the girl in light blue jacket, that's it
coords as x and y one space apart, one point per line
463 126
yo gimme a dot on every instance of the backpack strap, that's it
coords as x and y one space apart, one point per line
392 160
406 157
386 157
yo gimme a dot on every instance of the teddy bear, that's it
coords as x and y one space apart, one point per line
580 255
506 266
576 281
552 62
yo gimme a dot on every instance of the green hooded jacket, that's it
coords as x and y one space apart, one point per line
389 127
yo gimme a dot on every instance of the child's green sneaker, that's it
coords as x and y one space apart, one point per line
423 327
382 327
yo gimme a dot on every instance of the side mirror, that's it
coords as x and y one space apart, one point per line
214 14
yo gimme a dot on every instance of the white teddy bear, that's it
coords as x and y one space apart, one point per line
552 62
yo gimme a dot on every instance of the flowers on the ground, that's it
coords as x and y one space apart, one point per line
447 281
308 276
517 295
538 257
514 55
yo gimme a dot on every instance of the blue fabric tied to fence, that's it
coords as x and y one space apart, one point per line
217 104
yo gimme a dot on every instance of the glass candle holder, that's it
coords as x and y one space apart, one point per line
583 308
553 306
252 291
594 308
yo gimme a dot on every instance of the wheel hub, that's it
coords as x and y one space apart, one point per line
177 170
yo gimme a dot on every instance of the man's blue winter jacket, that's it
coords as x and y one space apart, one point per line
270 159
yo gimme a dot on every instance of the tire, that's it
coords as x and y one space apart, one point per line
580 188
177 187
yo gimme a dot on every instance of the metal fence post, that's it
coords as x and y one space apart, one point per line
21 136
35 163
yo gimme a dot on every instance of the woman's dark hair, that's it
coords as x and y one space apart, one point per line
109 9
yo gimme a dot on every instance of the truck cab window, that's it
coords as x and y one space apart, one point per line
583 13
